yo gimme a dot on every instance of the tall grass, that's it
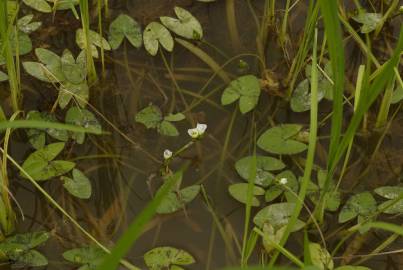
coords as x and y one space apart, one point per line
6 50
85 22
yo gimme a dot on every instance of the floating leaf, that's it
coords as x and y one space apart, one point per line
277 215
30 258
276 190
168 129
154 34
240 193
79 92
74 71
369 21
389 192
263 167
27 240
175 201
84 118
186 25
281 140
150 116
125 26
78 186
39 5
175 117
26 25
391 207
165 257
95 41
362 204
89 256
246 89
320 257
397 95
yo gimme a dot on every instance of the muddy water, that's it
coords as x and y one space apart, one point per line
125 183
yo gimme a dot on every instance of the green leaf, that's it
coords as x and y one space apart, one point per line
165 257
24 43
83 118
246 89
362 204
37 70
239 192
397 95
263 167
155 34
95 40
53 65
27 240
74 71
369 21
168 129
84 255
64 4
125 26
392 207
277 215
30 258
25 25
301 97
321 257
78 186
281 140
150 116
79 92
186 25
351 267
389 192
274 191
39 5
175 201
175 117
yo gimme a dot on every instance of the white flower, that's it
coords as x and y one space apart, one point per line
167 154
194 133
283 181
201 128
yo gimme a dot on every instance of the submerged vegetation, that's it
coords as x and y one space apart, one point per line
201 134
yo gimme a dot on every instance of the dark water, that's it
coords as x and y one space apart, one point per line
124 177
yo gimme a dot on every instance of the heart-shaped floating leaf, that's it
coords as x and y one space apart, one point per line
151 117
369 21
95 40
264 165
281 140
74 71
79 92
276 190
175 201
362 204
246 89
186 25
239 192
78 186
155 34
166 257
83 118
39 5
84 256
277 215
125 26
41 166
320 257
26 25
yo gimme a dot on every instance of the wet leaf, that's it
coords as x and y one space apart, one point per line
369 21
155 34
389 192
150 116
277 189
88 256
25 25
362 204
186 25
95 40
281 140
78 186
39 5
125 26
239 192
246 89
84 118
167 129
165 257
264 165
174 117
320 257
277 215
175 201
